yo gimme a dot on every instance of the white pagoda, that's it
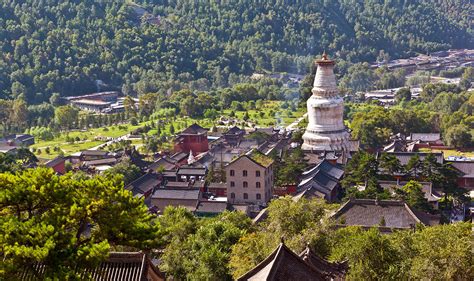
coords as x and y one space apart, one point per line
326 130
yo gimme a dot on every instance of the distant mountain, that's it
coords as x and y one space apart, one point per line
63 46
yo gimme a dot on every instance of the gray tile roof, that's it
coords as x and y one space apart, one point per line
144 184
404 157
93 153
328 168
177 184
53 162
191 171
214 207
369 212
194 129
465 167
425 137
184 194
426 187
130 266
105 161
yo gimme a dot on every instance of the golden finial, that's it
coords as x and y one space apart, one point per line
325 56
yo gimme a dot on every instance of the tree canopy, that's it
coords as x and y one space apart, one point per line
66 221
75 47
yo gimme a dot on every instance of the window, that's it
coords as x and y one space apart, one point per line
257 174
232 184
258 184
232 195
244 173
246 184
246 196
259 197
232 173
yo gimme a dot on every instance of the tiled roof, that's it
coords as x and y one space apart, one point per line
192 171
332 270
194 129
93 153
177 184
369 212
320 180
395 146
425 137
328 168
144 184
404 157
234 131
262 215
283 264
313 189
7 148
179 156
426 187
465 167
105 161
53 162
165 162
183 194
214 207
130 266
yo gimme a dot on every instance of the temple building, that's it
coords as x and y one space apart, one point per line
285 265
326 130
193 139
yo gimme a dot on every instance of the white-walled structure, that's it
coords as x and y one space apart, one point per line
326 130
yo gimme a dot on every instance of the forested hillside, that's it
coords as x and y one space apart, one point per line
64 46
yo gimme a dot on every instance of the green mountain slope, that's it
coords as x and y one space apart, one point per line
63 46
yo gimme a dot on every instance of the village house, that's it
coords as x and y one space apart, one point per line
8 149
250 179
58 164
23 140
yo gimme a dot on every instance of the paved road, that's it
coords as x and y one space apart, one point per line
124 137
293 125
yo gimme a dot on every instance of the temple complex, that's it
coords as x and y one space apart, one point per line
326 130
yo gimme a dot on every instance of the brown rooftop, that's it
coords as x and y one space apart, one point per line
283 264
130 266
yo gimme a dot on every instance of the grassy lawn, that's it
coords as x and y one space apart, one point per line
266 116
67 149
87 140
270 115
